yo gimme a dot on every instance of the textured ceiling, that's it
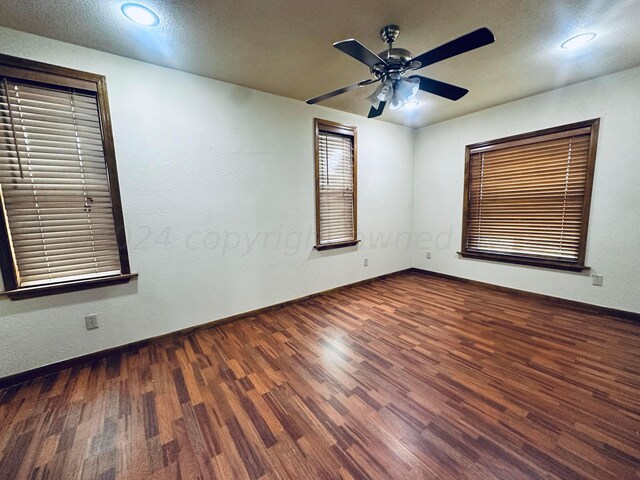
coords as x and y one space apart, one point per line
285 46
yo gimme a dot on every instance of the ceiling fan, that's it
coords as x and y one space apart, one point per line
391 67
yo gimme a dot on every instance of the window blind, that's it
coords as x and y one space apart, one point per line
527 198
54 185
335 188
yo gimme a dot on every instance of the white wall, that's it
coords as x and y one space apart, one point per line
237 164
614 229
199 158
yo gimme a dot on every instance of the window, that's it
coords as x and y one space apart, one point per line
62 224
336 173
527 197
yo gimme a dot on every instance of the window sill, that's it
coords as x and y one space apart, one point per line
329 246
63 287
532 262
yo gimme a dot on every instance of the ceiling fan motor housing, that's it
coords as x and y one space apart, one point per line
396 55
397 61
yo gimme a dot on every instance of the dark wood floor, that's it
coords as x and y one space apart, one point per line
409 377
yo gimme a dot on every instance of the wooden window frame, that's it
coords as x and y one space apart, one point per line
593 126
43 74
339 129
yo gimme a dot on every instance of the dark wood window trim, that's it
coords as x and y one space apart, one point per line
337 128
44 74
590 126
521 260
64 287
330 246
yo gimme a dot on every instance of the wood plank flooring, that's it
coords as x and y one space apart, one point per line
408 377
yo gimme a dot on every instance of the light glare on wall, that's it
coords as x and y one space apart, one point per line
140 14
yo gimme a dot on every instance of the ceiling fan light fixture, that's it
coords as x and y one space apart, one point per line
406 89
414 87
383 93
396 103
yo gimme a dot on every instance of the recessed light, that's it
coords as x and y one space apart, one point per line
578 41
140 14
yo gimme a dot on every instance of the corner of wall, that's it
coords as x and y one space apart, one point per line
416 137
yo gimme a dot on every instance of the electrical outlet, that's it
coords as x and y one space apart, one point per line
428 255
366 262
91 321
598 279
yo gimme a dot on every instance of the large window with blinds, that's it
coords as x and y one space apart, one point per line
336 179
61 216
527 197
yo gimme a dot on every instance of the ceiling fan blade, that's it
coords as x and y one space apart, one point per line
376 112
325 96
442 89
358 51
470 41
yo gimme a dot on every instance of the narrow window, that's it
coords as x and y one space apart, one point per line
62 221
336 178
527 197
